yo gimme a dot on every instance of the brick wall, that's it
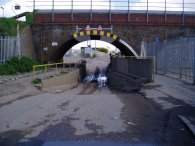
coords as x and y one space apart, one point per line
45 34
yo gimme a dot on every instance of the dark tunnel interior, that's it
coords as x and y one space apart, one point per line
61 50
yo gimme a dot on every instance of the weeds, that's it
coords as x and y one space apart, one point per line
16 65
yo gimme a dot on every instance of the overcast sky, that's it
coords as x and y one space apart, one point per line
172 5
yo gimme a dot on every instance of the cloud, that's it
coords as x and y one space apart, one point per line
9 7
66 4
27 5
171 5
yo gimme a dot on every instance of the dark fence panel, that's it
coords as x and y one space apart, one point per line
140 68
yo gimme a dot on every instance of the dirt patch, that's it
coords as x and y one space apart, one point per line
14 134
11 88
88 88
63 105
18 98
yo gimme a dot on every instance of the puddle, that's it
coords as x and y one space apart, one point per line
100 76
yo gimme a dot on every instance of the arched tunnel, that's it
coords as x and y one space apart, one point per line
93 35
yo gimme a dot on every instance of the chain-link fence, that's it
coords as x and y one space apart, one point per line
175 57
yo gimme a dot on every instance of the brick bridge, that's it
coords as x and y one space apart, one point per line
56 29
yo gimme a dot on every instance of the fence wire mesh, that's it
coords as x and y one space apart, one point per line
175 57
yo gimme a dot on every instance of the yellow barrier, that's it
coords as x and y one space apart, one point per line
45 66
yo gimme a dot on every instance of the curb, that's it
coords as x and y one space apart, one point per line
188 123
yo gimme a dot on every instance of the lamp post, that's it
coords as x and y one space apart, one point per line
3 11
17 7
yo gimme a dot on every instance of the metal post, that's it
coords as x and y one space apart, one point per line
128 12
17 7
3 11
72 10
147 11
110 10
53 10
165 11
18 38
91 11
183 16
33 4
77 29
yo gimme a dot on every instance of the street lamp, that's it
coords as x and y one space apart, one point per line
3 11
17 7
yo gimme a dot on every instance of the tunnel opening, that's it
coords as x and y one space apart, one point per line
82 36
122 78
96 56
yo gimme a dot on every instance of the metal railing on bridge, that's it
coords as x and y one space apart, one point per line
162 7
145 5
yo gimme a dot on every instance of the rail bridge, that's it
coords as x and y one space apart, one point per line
55 27
57 30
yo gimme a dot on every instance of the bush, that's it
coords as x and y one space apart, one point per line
104 50
16 65
8 25
94 56
36 81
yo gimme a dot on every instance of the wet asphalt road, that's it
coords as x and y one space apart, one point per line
105 116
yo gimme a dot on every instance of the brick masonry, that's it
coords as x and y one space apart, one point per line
45 34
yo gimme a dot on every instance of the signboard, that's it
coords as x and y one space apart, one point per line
88 27
100 27
45 49
54 44
157 39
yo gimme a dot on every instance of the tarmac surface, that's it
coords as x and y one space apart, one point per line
92 115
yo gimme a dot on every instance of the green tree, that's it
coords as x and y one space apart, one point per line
8 26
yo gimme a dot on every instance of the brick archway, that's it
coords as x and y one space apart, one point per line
82 36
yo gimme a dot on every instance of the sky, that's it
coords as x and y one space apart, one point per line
26 5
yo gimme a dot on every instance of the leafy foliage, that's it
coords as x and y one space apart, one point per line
104 50
94 55
8 26
16 65
36 81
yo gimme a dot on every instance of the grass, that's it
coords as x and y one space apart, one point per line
36 81
17 65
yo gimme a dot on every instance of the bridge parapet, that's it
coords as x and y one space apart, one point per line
116 17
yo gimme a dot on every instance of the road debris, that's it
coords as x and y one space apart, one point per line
58 91
131 123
